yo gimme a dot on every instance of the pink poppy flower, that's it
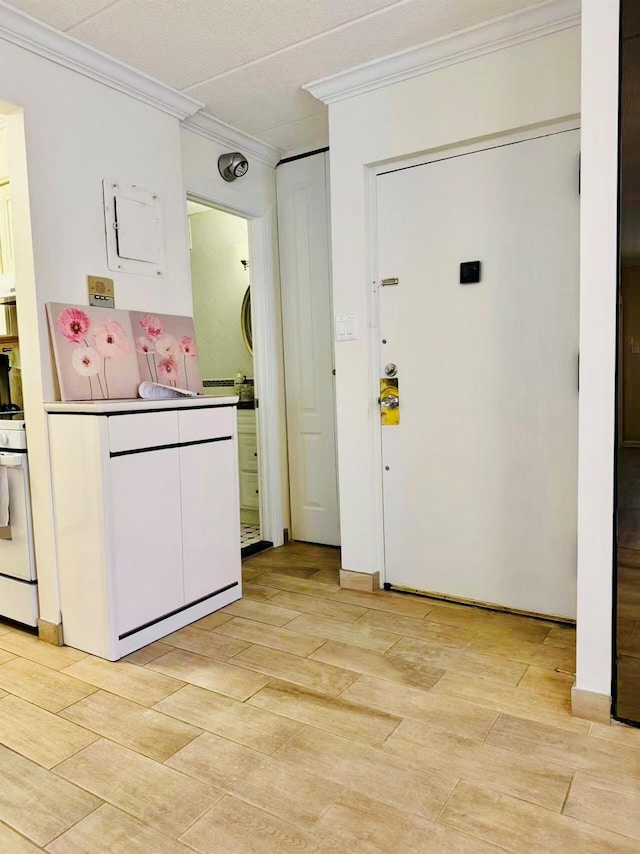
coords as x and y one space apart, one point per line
188 347
111 339
85 361
166 345
73 324
152 326
168 370
143 345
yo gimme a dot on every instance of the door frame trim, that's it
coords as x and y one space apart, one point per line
265 301
500 140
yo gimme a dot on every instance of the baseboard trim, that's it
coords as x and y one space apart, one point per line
365 582
591 706
50 633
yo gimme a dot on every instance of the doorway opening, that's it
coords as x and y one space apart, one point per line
18 576
221 274
626 645
10 373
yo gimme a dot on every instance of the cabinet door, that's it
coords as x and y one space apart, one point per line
210 518
248 452
249 491
147 541
6 232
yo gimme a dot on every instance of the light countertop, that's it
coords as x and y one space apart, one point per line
110 407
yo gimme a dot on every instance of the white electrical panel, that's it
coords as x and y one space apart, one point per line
133 222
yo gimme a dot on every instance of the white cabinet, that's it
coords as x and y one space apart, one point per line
7 264
248 466
6 233
146 517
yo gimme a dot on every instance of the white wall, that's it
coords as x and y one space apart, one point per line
530 84
219 284
598 299
77 133
256 190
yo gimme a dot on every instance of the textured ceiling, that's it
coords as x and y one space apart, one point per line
247 59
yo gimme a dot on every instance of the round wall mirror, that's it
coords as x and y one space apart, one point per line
245 321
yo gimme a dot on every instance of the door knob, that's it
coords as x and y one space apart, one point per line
390 370
390 401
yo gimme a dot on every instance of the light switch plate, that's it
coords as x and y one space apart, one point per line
346 327
101 292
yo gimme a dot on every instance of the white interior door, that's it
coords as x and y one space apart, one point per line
480 475
305 264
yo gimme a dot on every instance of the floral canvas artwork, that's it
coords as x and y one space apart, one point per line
166 349
95 352
104 354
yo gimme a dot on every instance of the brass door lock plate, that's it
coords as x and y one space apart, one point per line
389 402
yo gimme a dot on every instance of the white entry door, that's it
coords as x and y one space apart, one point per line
305 275
480 475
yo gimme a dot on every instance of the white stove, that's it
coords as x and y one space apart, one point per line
18 580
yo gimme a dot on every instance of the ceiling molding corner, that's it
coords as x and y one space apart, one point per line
530 23
232 138
24 31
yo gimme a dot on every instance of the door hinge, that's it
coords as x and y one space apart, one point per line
393 280
256 403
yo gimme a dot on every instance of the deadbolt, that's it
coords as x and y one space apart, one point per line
390 370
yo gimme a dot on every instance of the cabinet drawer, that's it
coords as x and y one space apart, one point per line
249 493
248 453
198 424
142 430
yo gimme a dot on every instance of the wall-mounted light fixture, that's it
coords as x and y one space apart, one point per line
233 165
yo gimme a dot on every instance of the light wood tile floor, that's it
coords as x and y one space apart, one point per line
306 718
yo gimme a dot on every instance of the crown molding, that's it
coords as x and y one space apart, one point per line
33 35
232 138
533 22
